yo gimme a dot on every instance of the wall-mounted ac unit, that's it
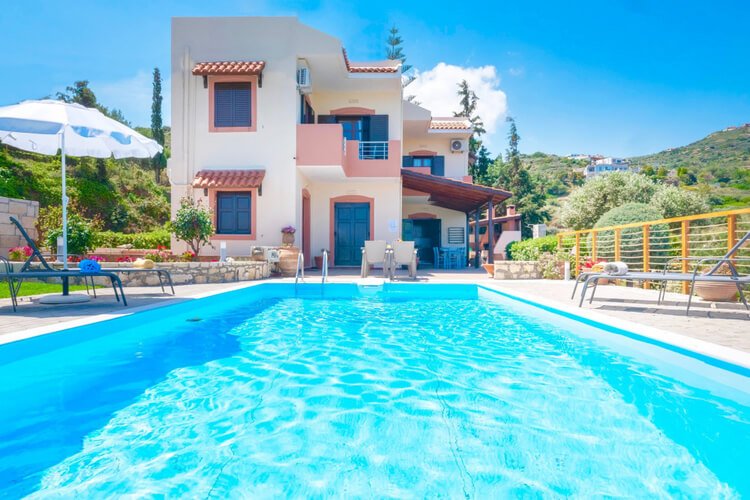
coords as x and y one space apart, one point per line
458 145
303 77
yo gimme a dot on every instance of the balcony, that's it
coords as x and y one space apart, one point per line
320 150
372 158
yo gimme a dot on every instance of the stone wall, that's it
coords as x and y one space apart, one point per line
26 212
518 270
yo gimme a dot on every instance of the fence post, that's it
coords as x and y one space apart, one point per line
593 246
646 252
578 253
685 251
617 243
731 231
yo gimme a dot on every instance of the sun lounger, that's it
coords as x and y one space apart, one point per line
404 254
591 279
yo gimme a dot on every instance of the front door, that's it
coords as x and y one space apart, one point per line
351 230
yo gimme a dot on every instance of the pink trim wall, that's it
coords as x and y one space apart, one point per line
354 167
422 215
351 198
212 203
320 144
352 110
422 152
253 81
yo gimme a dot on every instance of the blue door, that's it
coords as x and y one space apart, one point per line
351 229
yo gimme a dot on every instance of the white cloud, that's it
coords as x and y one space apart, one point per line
436 90
132 96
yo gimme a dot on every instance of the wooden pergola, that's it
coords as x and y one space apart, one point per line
460 196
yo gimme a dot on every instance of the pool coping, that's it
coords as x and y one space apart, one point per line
681 343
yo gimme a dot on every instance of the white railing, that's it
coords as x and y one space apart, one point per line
300 273
373 150
324 271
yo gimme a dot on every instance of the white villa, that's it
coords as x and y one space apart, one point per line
273 125
599 166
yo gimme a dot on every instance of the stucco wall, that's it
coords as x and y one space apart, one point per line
384 103
26 211
456 164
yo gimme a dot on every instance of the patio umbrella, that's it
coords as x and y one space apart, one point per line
49 126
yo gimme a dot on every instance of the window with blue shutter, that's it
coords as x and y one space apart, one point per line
232 104
233 213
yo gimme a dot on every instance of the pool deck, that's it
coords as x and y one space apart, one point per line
726 325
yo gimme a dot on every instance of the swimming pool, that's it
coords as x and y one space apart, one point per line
406 390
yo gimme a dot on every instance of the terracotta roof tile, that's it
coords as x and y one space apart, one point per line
229 68
450 124
228 178
369 67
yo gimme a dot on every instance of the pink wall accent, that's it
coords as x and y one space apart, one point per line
253 80
468 178
422 152
413 192
352 110
320 144
422 215
306 226
354 167
253 213
351 198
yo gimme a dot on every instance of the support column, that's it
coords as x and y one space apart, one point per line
477 249
490 232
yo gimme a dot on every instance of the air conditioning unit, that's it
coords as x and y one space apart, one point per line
303 77
458 145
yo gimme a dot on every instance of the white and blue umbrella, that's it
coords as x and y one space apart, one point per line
48 127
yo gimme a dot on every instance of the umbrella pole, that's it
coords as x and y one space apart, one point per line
65 283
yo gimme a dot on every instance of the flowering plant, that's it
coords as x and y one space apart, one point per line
188 256
159 255
288 230
74 258
20 253
593 265
124 259
96 258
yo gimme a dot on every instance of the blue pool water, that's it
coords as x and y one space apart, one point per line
406 391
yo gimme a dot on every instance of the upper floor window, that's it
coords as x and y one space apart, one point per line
422 161
232 104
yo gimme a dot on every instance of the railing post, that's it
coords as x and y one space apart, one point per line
731 231
646 252
593 246
617 243
685 251
578 253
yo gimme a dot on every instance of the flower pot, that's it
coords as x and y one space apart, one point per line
287 239
716 292
319 262
288 261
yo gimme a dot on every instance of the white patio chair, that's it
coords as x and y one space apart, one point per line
404 254
373 253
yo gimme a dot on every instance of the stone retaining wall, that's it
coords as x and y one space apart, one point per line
188 273
26 211
518 270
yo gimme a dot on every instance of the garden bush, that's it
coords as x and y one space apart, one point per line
80 235
675 202
145 240
531 249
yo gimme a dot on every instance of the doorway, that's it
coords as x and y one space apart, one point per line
426 235
351 230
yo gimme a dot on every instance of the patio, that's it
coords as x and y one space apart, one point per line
722 324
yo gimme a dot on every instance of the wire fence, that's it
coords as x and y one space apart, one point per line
649 246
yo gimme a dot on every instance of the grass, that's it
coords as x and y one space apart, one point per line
32 288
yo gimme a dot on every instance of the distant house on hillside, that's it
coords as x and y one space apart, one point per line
607 165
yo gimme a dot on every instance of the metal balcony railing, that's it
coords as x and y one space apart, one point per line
373 150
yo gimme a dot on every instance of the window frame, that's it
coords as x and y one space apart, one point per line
213 202
249 79
235 194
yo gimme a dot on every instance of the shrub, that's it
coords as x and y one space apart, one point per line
146 240
193 224
676 202
20 253
531 249
631 238
588 203
80 235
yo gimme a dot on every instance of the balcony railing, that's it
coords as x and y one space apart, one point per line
373 150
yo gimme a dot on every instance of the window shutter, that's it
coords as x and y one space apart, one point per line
241 103
222 106
326 119
438 165
378 128
408 161
232 103
233 213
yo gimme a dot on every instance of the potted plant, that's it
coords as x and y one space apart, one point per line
716 292
287 235
319 259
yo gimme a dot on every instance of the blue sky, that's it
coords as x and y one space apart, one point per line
619 77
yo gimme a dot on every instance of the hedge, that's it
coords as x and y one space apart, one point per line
146 240
531 249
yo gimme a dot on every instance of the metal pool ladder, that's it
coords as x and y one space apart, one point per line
300 273
324 271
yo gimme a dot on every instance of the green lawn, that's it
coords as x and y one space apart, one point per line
32 288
